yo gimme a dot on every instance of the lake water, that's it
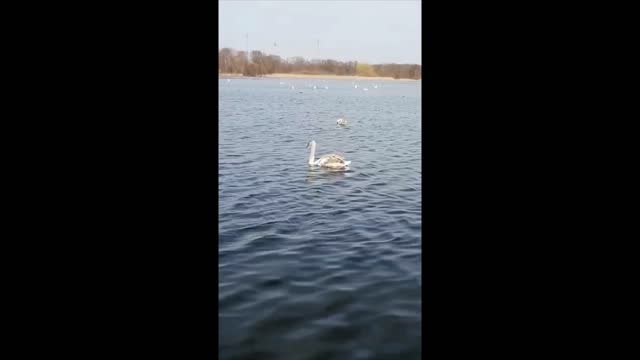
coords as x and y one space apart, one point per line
317 264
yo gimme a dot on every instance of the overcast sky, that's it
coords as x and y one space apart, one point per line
383 31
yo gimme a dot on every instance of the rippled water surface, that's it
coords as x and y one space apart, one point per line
317 264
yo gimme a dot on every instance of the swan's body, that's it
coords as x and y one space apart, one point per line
331 161
341 121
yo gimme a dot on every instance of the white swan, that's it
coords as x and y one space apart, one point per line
341 121
331 161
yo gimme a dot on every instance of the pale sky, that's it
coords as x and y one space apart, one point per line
376 32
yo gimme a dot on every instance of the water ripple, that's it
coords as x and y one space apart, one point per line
325 262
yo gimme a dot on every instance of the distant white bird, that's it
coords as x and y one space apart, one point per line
314 87
331 161
355 86
365 89
341 121
228 80
326 88
375 86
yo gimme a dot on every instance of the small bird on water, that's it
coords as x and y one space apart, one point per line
341 122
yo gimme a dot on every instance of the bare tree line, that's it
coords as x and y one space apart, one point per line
231 61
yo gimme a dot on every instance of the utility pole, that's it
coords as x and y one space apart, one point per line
247 47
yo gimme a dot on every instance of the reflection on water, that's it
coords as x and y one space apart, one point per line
324 175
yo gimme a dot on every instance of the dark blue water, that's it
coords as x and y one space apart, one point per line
318 264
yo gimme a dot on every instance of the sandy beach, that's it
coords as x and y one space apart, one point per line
225 76
322 77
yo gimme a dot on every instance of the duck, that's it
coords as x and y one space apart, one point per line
331 161
341 121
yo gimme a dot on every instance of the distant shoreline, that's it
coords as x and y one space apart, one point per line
314 76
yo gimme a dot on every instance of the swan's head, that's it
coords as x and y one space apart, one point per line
310 143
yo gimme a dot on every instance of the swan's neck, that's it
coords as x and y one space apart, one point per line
312 154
